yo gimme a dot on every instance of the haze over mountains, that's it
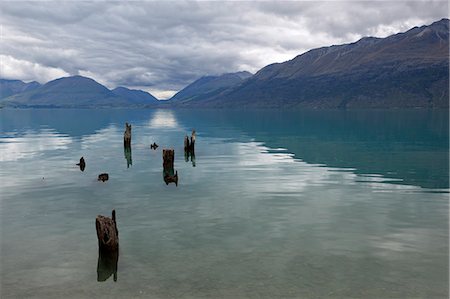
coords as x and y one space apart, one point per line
408 69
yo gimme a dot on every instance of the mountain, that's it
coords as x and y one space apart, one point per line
409 69
135 96
12 87
207 87
76 92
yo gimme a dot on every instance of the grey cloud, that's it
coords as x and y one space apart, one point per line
167 45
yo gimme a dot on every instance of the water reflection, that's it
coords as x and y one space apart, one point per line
127 154
107 264
190 156
269 198
31 143
410 146
189 148
163 119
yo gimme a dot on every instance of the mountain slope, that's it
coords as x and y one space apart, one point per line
12 87
75 91
208 86
403 70
135 96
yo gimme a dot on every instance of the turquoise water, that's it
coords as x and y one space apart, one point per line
313 204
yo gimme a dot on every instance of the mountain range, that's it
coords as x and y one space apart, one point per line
409 69
71 92
207 87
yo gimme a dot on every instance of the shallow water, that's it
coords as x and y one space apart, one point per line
316 204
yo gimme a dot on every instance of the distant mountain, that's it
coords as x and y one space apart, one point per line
207 87
77 92
12 87
403 70
135 96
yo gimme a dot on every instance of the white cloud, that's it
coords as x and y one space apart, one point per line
12 68
159 94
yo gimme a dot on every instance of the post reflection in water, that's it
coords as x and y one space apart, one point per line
188 155
189 148
107 264
127 154
358 201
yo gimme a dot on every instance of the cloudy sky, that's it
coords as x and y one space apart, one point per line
163 46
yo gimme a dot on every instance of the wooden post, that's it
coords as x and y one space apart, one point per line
168 171
127 135
192 141
154 146
187 145
107 233
82 164
108 246
103 177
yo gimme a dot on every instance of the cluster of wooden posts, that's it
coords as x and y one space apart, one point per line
107 232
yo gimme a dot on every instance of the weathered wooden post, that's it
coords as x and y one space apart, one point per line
108 246
103 177
154 146
192 147
187 145
107 233
82 164
168 171
127 136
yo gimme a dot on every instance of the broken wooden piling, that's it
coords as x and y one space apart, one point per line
108 246
192 141
127 135
189 144
154 146
82 164
169 175
103 177
107 233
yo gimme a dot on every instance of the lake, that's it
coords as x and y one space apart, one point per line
276 204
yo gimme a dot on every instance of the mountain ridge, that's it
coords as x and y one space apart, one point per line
407 69
208 86
78 92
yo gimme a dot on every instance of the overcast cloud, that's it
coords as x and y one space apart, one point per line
163 46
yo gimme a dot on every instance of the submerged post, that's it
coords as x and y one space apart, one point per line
82 164
108 246
169 175
127 136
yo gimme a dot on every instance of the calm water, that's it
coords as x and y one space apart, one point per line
319 204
